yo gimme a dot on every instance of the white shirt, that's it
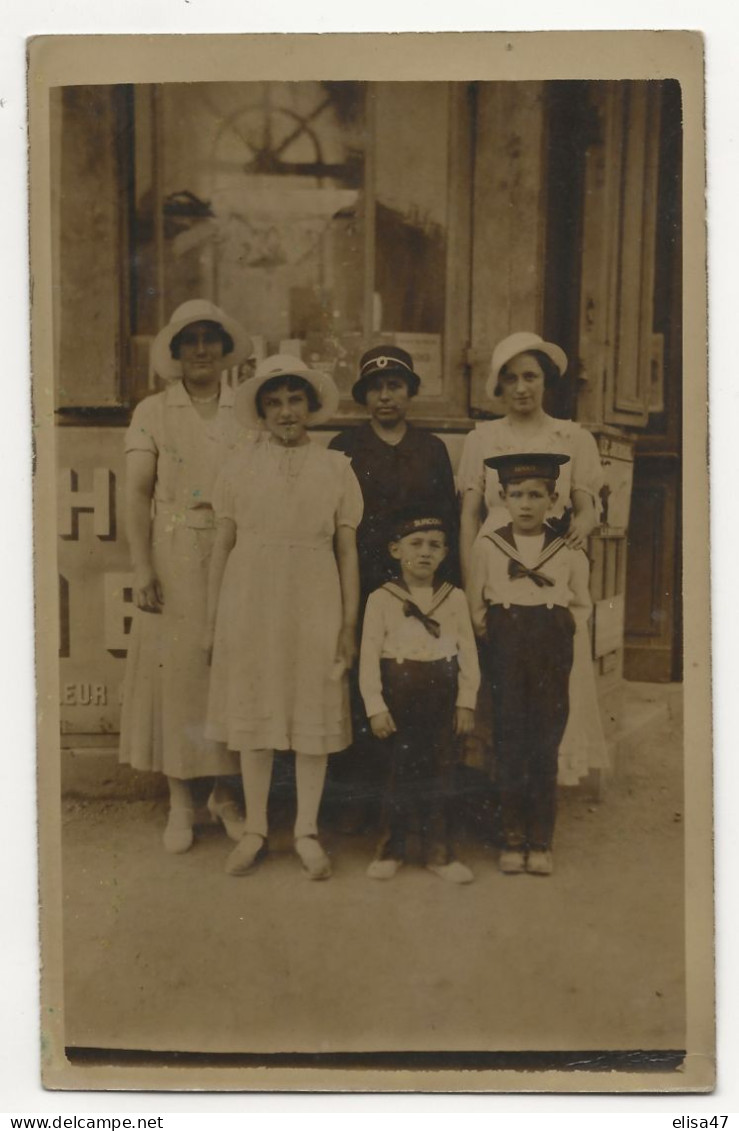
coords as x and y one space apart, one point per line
491 584
388 634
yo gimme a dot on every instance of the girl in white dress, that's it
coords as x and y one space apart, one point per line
283 601
522 366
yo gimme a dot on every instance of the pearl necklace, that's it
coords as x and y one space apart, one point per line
204 400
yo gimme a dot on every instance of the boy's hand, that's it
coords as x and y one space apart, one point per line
382 725
464 720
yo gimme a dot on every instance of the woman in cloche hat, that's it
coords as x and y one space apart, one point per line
175 445
523 366
282 601
397 465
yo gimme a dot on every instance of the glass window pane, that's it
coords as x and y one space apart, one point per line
261 208
411 219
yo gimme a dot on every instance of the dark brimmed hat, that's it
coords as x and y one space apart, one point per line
411 520
380 361
527 465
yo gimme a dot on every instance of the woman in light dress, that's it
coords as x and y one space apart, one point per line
175 446
523 366
283 601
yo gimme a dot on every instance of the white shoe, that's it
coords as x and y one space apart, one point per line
512 861
229 815
250 851
178 835
384 869
540 863
314 860
455 872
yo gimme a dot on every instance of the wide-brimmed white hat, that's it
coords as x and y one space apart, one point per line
524 341
285 365
197 310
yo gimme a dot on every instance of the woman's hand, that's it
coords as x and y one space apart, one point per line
147 591
577 535
346 650
382 725
464 720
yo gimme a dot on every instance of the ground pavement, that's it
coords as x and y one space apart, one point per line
169 953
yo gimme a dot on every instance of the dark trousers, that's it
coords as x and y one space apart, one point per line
421 698
529 657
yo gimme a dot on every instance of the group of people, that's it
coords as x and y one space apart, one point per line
342 600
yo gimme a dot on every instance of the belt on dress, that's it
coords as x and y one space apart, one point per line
201 517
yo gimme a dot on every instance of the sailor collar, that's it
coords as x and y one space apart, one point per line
504 539
401 591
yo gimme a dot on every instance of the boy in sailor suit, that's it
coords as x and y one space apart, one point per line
526 588
418 676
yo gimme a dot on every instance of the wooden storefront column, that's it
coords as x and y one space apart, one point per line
509 207
618 254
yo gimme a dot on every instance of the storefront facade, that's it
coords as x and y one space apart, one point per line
329 216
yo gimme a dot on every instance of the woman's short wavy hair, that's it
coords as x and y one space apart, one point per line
226 340
548 368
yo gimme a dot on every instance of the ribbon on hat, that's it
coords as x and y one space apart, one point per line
382 362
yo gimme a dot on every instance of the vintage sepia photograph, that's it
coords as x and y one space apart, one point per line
374 717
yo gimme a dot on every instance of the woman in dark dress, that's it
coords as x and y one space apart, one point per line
397 466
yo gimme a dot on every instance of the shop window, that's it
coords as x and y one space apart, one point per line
320 214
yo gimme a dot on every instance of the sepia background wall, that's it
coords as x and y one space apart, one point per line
329 216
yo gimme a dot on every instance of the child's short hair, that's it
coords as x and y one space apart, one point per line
550 484
293 383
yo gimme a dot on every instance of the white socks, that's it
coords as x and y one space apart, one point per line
310 775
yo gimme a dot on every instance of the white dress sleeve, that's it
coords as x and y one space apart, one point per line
142 432
351 504
224 503
468 682
373 634
587 472
471 471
